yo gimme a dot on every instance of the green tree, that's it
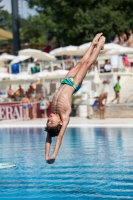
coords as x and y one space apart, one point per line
75 22
5 23
31 30
6 19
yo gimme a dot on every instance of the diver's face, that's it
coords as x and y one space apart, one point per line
53 120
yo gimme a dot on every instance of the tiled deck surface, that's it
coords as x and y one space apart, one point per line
74 122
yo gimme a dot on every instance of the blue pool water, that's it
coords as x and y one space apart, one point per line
93 163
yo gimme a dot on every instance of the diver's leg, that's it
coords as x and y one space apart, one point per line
87 63
85 57
104 112
100 113
118 97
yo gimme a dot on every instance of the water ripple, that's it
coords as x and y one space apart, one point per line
93 163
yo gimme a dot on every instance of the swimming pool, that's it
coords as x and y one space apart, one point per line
93 163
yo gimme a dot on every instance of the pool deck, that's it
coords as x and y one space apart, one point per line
74 122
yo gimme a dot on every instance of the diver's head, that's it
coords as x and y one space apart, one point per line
54 125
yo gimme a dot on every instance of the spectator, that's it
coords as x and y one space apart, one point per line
19 93
36 68
25 107
117 88
56 67
130 39
39 88
107 66
126 61
43 107
92 106
116 39
114 63
101 105
31 91
10 92
47 47
44 91
123 38
33 103
69 62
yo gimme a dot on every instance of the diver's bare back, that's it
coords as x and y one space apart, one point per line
62 100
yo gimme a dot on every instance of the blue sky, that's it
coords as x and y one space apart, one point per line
24 11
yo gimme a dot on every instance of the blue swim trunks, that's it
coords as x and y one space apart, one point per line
25 106
70 81
95 104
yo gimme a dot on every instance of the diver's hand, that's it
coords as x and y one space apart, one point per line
50 160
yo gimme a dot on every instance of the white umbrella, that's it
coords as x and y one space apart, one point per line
68 50
23 57
57 52
120 50
107 46
72 50
34 53
110 46
5 75
21 76
53 74
85 46
44 56
31 52
19 58
6 57
58 73
42 74
96 80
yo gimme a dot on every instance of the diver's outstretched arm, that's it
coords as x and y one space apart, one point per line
51 159
47 146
